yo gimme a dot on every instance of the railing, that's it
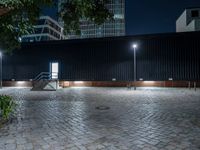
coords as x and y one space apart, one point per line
45 78
46 75
42 75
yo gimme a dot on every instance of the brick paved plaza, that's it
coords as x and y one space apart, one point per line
148 119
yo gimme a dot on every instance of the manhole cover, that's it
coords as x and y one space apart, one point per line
102 107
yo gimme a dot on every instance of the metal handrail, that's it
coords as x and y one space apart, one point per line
40 74
44 75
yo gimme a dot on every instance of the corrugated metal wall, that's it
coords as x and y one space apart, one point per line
159 57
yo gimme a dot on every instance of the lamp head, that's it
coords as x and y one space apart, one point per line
134 45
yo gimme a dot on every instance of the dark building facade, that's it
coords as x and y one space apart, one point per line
160 57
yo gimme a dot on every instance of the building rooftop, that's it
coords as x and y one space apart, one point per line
144 36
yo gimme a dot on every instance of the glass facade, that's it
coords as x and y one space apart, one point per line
115 27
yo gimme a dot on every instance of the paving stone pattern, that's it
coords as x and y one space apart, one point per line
146 119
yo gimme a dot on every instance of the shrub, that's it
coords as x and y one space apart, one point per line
7 106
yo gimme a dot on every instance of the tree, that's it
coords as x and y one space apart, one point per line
19 17
91 10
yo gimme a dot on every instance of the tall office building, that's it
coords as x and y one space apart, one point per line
115 27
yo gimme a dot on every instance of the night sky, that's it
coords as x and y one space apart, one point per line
154 16
151 16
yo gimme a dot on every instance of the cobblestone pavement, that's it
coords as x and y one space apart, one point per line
148 119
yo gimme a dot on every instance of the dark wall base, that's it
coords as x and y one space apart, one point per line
125 84
17 83
108 84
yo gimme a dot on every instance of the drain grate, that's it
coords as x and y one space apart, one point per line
102 107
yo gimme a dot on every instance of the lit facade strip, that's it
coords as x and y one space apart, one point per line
40 35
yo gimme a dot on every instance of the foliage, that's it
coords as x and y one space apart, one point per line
7 106
72 11
22 15
18 20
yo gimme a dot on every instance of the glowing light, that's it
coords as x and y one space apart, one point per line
149 82
118 17
134 45
66 83
20 39
78 82
170 79
20 82
141 79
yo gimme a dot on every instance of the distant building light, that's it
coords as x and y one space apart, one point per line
118 16
20 39
141 79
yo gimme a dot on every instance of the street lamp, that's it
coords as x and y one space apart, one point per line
1 70
134 48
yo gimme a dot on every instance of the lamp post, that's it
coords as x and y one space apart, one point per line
134 48
1 70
